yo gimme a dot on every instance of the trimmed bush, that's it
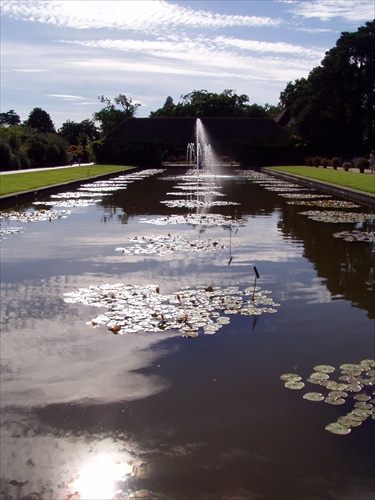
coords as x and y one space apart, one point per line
335 162
362 164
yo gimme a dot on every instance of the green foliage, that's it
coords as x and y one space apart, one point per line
334 107
201 103
110 116
9 118
25 147
40 120
362 164
335 162
79 133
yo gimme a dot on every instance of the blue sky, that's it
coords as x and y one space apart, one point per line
60 55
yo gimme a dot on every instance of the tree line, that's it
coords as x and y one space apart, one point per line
332 112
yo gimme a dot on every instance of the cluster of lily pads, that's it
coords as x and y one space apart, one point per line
87 194
355 235
192 204
324 203
198 190
196 193
134 308
354 387
35 215
167 244
304 196
337 217
195 219
69 202
286 190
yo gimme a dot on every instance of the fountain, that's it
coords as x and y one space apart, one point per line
200 155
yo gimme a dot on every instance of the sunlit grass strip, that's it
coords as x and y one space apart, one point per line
351 180
25 181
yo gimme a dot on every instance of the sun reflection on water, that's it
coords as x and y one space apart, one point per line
99 478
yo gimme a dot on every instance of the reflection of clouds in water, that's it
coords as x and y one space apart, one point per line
44 367
47 347
92 466
313 293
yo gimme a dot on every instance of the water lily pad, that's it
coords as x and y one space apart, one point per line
334 400
324 368
337 428
319 376
335 386
354 387
294 384
338 394
290 376
362 397
313 396
345 421
364 406
359 412
350 366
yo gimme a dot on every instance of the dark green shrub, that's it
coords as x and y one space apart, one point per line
335 162
317 161
362 164
346 165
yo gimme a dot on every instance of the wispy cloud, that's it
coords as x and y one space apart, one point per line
31 70
150 49
145 16
67 97
268 47
326 10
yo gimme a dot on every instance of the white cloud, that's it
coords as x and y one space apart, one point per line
268 47
326 10
31 70
145 16
67 97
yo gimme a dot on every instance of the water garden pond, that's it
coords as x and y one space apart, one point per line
179 334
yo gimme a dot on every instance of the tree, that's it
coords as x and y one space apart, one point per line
168 110
209 104
110 116
40 120
9 118
334 107
24 147
79 133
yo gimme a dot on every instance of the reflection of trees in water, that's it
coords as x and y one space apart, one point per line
111 212
348 269
143 198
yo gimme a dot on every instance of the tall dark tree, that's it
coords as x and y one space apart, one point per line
9 118
40 120
111 116
334 107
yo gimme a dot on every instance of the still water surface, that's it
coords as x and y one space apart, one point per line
87 414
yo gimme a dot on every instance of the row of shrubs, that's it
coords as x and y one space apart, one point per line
317 161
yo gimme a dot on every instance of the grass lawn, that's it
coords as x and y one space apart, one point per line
353 180
25 181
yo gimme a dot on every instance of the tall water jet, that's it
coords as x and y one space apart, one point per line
201 154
